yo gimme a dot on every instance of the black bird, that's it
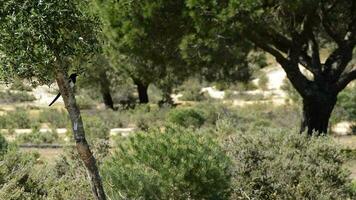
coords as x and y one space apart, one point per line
72 80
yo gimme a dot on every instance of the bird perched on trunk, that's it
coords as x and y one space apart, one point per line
72 80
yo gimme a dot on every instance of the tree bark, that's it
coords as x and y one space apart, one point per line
142 92
316 114
79 135
105 91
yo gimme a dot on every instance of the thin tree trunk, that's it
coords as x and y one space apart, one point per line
79 135
105 91
316 114
142 92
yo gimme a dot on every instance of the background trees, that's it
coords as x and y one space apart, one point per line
295 33
40 41
145 36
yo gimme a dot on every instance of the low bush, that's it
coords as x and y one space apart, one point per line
347 101
38 137
292 93
277 164
263 81
16 119
85 102
15 97
3 145
145 116
174 164
96 128
186 117
57 118
19 85
17 179
66 178
191 91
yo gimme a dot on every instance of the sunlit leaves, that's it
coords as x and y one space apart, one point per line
35 35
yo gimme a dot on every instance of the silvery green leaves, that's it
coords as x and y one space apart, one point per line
35 36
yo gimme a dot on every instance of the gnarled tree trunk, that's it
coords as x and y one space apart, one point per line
105 91
316 114
79 135
142 92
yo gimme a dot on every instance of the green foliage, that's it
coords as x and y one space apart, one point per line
17 180
38 137
173 164
263 81
85 102
347 101
186 117
31 44
299 167
66 178
15 97
19 85
144 36
57 118
191 91
96 128
291 92
16 119
3 145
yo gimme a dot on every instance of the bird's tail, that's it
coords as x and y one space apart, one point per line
55 99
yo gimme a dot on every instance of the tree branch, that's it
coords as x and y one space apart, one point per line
345 80
337 61
298 80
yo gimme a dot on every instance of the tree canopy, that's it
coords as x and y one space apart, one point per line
295 33
36 35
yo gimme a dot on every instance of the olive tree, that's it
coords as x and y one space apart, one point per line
295 33
39 41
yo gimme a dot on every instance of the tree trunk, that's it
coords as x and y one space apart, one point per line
79 135
105 91
142 92
316 114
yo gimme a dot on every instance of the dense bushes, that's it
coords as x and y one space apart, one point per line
187 117
38 137
191 91
173 164
3 145
57 118
96 129
17 177
16 119
347 101
15 97
276 164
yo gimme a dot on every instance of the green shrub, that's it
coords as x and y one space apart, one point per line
16 119
37 137
263 81
347 101
292 93
173 164
145 116
113 119
186 117
66 178
3 145
15 97
85 102
57 118
17 180
191 91
277 164
96 128
19 85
